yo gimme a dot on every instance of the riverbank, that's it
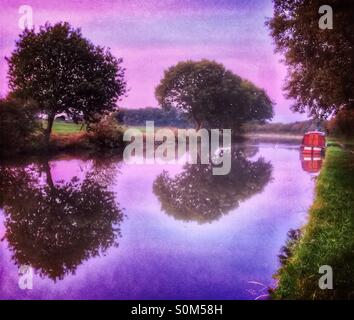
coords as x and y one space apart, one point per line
327 239
71 137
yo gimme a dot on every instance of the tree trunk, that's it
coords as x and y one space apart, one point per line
198 124
48 130
48 173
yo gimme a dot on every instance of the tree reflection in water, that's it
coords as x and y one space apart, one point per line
198 195
54 227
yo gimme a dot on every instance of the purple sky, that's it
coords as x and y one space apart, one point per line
152 35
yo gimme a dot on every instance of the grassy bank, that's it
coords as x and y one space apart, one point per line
327 238
70 137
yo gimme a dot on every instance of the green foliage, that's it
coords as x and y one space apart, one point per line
64 72
327 238
107 133
320 62
212 96
343 124
19 130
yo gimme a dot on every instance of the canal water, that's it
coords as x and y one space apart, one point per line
93 227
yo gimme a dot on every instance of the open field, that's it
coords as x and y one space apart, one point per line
60 127
65 128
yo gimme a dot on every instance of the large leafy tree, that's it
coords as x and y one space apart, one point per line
212 96
64 72
320 61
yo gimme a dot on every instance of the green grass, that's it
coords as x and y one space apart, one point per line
328 238
60 127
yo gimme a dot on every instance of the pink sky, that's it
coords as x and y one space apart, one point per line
152 35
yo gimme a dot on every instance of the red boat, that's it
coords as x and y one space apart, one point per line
313 142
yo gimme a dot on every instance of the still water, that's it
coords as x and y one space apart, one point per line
92 227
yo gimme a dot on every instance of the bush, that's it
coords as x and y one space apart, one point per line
343 124
72 141
107 133
19 130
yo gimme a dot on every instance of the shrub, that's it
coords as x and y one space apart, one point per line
19 130
107 133
72 141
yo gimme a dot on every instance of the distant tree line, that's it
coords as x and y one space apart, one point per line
172 118
161 118
298 127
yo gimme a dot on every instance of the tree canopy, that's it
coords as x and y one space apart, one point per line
320 61
212 96
64 72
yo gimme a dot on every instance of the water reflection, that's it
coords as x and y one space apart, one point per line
55 238
198 195
56 226
311 163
